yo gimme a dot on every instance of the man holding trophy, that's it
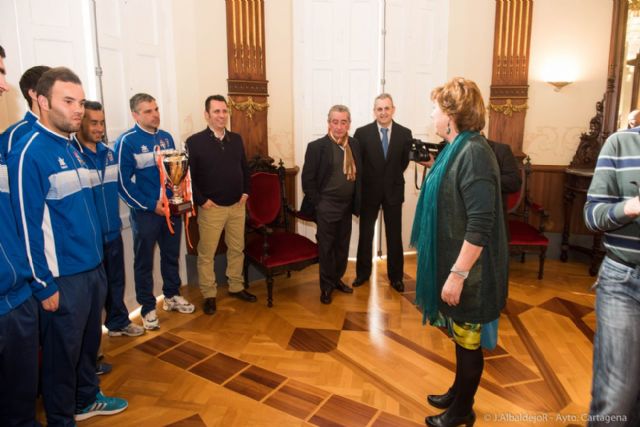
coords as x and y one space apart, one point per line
151 222
220 189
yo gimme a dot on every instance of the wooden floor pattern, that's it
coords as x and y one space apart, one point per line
364 360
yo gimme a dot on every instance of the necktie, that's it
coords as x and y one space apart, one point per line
385 141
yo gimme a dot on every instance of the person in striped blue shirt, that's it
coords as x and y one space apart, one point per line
613 208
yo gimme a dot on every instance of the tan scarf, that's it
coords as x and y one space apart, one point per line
349 166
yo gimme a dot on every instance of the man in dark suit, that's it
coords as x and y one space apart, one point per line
331 184
510 175
385 155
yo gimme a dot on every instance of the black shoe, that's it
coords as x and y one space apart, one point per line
442 401
398 285
244 296
325 297
448 420
342 287
359 282
209 306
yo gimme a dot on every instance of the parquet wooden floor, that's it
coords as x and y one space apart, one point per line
364 360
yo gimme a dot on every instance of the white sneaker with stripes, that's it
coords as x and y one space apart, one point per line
178 303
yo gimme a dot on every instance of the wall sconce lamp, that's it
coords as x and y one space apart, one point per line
558 85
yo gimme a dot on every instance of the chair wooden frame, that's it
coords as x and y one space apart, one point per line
274 234
519 226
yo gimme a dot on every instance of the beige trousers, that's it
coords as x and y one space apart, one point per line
211 222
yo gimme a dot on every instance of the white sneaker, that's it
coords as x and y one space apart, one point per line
150 321
178 303
131 330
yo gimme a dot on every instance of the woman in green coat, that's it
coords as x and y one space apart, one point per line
460 238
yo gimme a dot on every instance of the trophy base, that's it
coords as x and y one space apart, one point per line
179 208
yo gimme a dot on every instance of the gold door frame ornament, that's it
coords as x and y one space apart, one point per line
508 108
250 107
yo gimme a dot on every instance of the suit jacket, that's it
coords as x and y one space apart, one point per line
383 179
510 175
510 179
316 171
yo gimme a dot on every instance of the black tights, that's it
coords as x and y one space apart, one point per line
469 366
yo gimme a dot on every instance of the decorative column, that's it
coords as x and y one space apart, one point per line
509 83
247 73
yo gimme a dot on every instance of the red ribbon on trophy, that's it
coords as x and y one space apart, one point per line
173 166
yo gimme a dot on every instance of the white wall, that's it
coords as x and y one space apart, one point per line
569 40
571 36
470 43
200 46
279 50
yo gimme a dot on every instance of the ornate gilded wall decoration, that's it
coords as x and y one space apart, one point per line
508 108
249 106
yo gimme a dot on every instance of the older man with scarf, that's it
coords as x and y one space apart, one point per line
331 185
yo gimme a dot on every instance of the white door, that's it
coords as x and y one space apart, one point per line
41 32
415 63
135 45
336 61
134 39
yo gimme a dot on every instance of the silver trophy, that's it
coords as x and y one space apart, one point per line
176 166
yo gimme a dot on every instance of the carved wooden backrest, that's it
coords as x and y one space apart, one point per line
590 142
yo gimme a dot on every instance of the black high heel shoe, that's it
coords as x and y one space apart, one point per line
448 420
442 401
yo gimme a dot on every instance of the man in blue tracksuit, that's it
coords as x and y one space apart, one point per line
51 196
101 162
18 314
140 188
13 133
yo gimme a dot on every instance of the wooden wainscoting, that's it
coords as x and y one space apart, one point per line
547 189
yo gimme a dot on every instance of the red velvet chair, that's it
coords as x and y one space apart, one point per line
523 236
270 247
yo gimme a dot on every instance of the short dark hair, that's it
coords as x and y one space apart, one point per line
29 80
137 99
49 78
213 98
2 54
92 105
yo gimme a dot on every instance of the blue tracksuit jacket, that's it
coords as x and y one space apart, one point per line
104 183
135 153
9 137
52 199
15 273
